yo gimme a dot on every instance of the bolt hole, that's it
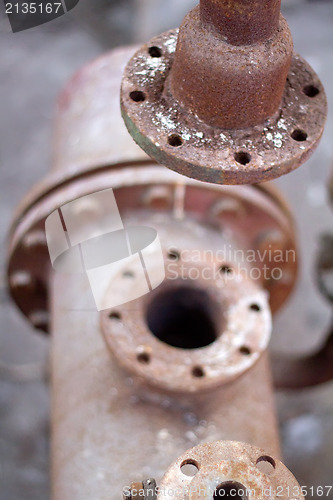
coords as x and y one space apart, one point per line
230 489
255 308
173 255
189 468
155 52
299 135
198 372
225 269
115 315
245 350
311 90
144 358
242 157
266 464
175 140
138 96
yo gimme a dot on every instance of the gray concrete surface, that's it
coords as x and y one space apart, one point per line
34 66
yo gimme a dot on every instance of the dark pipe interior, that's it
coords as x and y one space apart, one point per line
183 317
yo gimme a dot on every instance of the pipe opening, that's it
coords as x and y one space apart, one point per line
230 490
183 317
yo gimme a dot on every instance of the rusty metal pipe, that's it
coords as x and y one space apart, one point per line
224 85
108 429
242 22
109 424
229 470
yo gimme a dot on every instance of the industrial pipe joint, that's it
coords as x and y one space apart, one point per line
225 99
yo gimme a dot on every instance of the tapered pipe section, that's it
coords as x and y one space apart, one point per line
224 84
242 22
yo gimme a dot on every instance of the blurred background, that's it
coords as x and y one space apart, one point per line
34 66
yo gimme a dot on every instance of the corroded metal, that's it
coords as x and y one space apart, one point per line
108 423
110 428
207 103
206 325
324 266
240 22
229 470
224 85
291 372
85 162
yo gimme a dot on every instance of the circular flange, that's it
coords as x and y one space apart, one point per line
182 142
230 469
255 213
190 334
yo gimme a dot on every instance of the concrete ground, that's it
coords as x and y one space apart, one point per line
34 66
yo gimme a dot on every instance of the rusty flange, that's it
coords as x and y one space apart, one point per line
209 108
255 215
86 162
206 325
228 469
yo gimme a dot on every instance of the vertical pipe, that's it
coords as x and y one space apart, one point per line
242 22
106 431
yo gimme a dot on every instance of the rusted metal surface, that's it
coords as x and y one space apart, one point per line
292 372
206 305
315 368
128 412
208 108
109 428
240 22
87 161
88 139
229 470
251 214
